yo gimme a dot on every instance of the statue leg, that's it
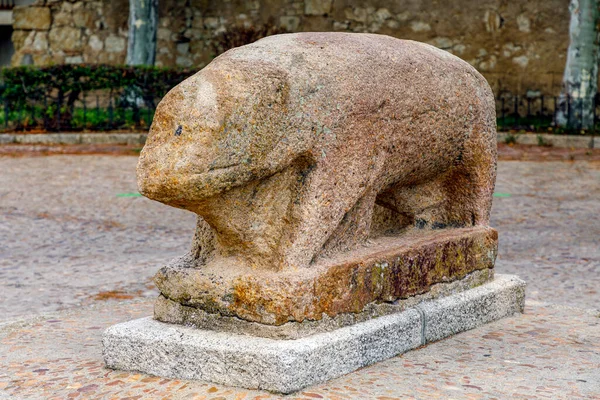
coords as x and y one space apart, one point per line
469 185
354 228
333 214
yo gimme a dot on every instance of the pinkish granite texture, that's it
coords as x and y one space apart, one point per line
301 147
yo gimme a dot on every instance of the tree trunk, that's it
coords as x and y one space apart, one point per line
143 20
580 80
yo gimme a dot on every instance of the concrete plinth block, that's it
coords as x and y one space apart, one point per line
285 366
446 316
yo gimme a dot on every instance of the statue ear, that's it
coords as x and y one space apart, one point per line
274 96
263 85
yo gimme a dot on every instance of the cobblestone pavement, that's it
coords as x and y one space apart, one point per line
70 236
66 237
549 352
549 229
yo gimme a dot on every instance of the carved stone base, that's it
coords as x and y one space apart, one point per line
285 366
166 310
367 280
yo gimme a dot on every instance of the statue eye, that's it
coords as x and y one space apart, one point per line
178 130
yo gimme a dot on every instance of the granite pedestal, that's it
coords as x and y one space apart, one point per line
288 365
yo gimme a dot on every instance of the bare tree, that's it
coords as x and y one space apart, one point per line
143 20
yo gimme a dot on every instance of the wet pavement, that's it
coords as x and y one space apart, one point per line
78 245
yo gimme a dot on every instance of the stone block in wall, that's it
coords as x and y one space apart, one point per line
198 47
163 34
16 58
73 60
404 16
20 37
382 15
84 18
458 49
183 48
114 44
197 22
193 34
522 47
26 58
420 26
65 38
31 18
62 18
108 58
521 61
443 43
66 6
115 15
36 42
488 64
58 57
211 23
253 5
42 59
95 43
183 61
340 26
290 23
315 24
317 7
357 14
165 60
524 23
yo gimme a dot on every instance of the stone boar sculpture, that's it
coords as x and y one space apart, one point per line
302 146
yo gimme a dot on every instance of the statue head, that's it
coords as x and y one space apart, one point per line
220 128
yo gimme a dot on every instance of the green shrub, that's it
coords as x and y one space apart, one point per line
56 90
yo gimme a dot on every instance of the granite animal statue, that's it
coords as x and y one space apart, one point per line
343 184
304 146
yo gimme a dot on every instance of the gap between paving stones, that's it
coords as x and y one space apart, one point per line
124 138
74 138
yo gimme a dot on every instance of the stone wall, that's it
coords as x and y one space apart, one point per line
520 46
56 32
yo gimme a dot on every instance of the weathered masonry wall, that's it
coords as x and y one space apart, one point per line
520 46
